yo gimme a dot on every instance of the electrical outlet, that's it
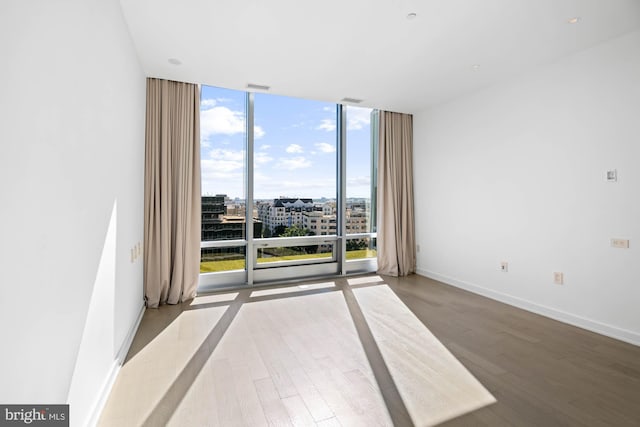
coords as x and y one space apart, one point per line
558 278
136 252
417 248
504 266
620 243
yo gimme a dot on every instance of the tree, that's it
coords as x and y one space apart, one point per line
355 245
279 230
297 231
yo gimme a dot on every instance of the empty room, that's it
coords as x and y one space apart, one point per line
356 213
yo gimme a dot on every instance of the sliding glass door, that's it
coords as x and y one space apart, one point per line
287 188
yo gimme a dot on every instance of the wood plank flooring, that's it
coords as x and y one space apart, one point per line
369 351
542 372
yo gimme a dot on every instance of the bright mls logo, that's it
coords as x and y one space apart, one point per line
34 415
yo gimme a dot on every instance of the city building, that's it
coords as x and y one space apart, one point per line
285 212
318 218
319 223
358 220
218 224
212 212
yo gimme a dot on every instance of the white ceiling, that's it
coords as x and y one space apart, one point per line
366 49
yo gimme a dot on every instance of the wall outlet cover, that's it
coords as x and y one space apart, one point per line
620 243
558 278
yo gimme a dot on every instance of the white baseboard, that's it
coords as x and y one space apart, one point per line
562 316
110 379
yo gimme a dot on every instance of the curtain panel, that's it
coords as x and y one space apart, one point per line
396 224
172 192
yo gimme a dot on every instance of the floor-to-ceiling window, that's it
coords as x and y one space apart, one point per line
294 181
287 188
361 182
223 164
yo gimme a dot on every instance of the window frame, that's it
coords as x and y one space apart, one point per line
256 273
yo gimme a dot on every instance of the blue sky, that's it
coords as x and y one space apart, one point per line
295 146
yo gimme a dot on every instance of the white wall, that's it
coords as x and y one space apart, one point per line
71 191
516 173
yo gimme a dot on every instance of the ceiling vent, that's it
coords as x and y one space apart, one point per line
351 100
257 87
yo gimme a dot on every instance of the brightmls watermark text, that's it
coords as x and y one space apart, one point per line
34 415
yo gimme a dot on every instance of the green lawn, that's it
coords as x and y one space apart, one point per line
238 264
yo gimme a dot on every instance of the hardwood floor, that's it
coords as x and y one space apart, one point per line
542 372
369 351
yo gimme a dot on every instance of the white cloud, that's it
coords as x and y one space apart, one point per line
325 147
223 121
219 168
223 154
328 125
220 163
261 158
359 181
315 188
291 163
222 172
294 148
265 147
358 118
217 181
205 104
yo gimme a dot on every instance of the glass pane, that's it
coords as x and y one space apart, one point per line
295 253
295 166
222 142
361 248
361 169
222 259
223 163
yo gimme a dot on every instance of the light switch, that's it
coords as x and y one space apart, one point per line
620 243
558 278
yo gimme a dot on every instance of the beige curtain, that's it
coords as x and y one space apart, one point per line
172 192
396 226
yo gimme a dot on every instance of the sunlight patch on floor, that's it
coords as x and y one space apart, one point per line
292 289
364 280
434 385
289 354
213 298
290 359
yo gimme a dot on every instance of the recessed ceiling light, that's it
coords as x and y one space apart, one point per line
174 61
351 100
573 20
257 87
475 67
412 15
